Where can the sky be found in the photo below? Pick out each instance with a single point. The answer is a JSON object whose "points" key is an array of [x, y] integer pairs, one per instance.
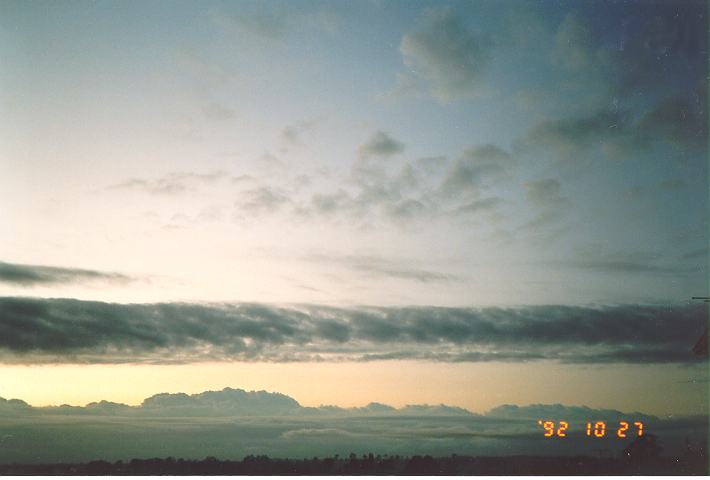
{"points": [[468, 203]]}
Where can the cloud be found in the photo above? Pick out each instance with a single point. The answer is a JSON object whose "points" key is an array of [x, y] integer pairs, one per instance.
{"points": [[622, 263], [274, 23], [385, 268], [680, 120], [402, 193], [658, 45], [569, 137], [30, 275], [645, 73], [625, 266], [445, 55], [633, 52], [579, 413], [380, 145], [477, 167], [73, 331], [693, 254], [328, 204], [233, 423], [291, 134], [170, 184], [215, 111], [669, 185], [545, 197], [262, 200], [544, 193], [573, 48], [480, 206], [229, 402]]}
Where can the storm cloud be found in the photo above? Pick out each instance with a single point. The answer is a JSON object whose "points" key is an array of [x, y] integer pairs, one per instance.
{"points": [[73, 331]]}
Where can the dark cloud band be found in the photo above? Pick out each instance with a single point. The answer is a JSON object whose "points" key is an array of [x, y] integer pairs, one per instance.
{"points": [[27, 275], [73, 331]]}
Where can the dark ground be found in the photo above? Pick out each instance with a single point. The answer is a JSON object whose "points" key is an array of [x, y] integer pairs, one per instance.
{"points": [[379, 465]]}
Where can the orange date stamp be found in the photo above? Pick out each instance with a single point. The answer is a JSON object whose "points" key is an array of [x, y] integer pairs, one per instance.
{"points": [[597, 429]]}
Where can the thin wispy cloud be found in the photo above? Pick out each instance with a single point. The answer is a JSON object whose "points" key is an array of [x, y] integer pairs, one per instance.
{"points": [[374, 266], [274, 23], [170, 184], [217, 112], [627, 263]]}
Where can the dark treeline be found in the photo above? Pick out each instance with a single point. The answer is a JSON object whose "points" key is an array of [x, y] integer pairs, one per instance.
{"points": [[379, 465]]}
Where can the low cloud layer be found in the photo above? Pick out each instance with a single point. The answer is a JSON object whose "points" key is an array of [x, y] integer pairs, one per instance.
{"points": [[233, 423], [73, 331], [31, 275]]}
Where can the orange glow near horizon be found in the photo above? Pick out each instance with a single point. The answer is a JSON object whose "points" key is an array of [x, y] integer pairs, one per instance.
{"points": [[477, 387]]}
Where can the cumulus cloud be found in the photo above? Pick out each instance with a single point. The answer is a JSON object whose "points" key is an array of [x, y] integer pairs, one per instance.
{"points": [[406, 194], [262, 200], [380, 145], [640, 69], [571, 136], [444, 55], [633, 51], [477, 167], [328, 204], [291, 134], [30, 275], [678, 121], [73, 331], [544, 193]]}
